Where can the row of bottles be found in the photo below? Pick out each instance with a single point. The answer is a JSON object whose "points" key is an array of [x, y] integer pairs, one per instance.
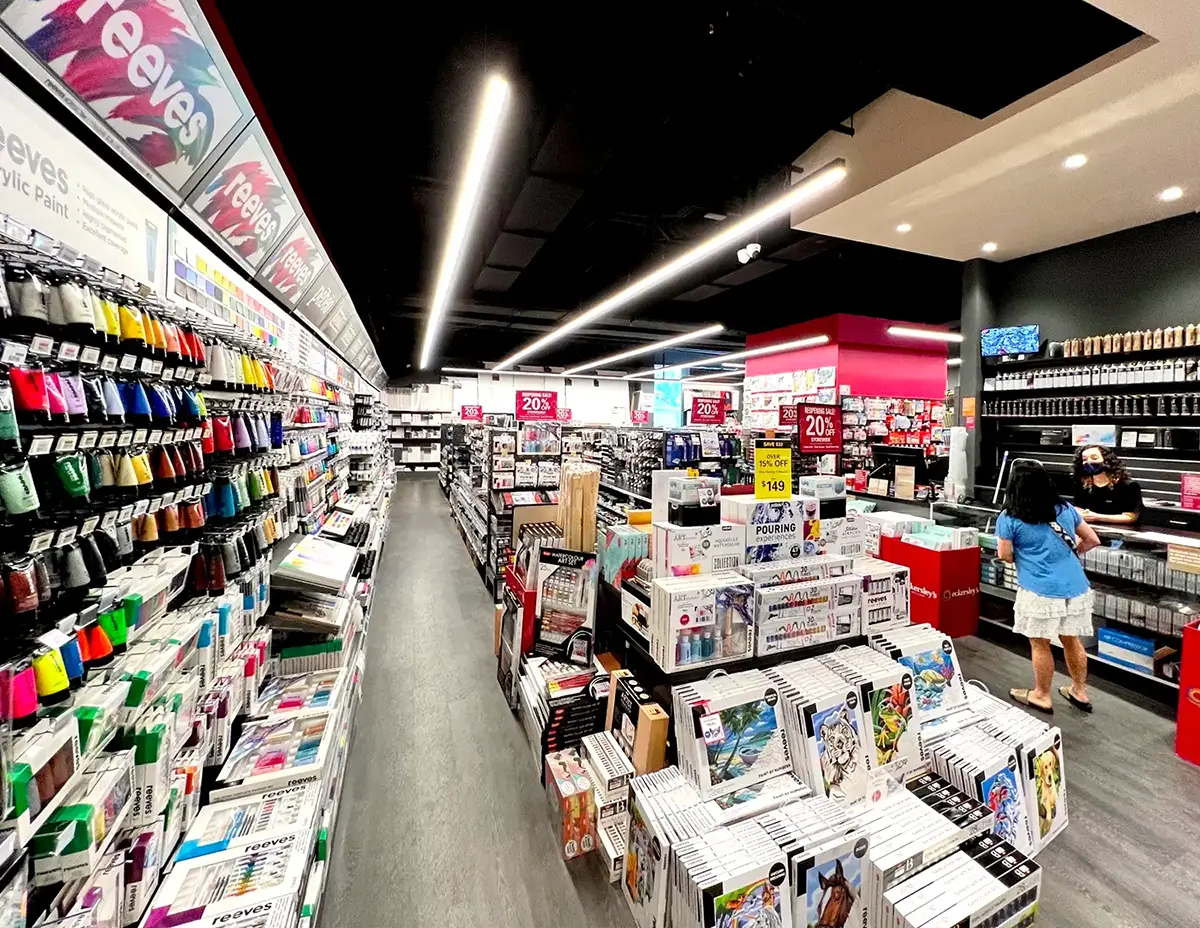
{"points": [[1122, 342], [1170, 370], [1058, 407]]}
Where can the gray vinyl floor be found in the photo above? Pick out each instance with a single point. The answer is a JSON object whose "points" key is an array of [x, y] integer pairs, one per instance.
{"points": [[443, 822]]}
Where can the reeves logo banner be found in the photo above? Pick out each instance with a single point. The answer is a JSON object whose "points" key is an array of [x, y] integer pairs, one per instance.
{"points": [[295, 265], [142, 67]]}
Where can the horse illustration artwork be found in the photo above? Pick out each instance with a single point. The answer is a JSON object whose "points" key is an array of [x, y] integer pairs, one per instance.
{"points": [[837, 899]]}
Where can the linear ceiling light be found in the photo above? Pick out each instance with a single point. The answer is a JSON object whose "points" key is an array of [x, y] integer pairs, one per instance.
{"points": [[953, 362], [930, 335], [646, 349], [470, 193], [736, 356], [703, 378], [561, 376], [736, 234]]}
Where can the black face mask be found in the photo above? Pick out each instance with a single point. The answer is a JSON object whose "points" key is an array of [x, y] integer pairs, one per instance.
{"points": [[1092, 469]]}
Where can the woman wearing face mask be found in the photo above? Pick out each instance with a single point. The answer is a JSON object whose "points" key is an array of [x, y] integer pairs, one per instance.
{"points": [[1103, 490]]}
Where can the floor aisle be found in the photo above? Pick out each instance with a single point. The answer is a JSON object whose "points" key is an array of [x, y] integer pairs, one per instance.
{"points": [[443, 822]]}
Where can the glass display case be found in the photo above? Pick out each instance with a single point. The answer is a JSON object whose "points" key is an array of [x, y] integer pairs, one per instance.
{"points": [[1146, 591]]}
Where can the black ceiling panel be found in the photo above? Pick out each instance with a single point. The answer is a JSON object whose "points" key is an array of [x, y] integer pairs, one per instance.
{"points": [[747, 273], [513, 251], [703, 292]]}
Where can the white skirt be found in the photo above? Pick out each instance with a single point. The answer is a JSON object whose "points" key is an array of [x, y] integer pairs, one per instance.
{"points": [[1037, 616]]}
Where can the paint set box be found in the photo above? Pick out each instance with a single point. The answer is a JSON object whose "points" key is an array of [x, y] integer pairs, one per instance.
{"points": [[886, 596], [565, 607], [729, 732], [273, 754], [797, 570], [236, 823], [774, 529], [571, 796], [929, 654], [684, 550], [302, 695], [796, 615], [701, 620]]}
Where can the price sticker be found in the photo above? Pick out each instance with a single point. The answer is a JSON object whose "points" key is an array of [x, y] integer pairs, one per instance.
{"points": [[55, 638], [156, 437], [108, 439], [168, 373], [89, 355], [204, 378], [189, 375], [156, 367], [17, 230], [66, 536], [125, 513], [68, 351], [108, 520], [207, 489], [140, 507], [67, 254], [125, 439], [147, 365], [109, 363], [14, 353], [168, 499], [194, 434], [91, 266], [140, 436], [88, 439], [41, 444], [155, 505], [41, 542], [68, 441], [128, 362], [44, 243], [89, 525], [711, 728]]}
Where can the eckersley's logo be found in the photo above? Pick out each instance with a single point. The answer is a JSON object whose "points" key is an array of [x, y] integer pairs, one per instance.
{"points": [[921, 591], [959, 594]]}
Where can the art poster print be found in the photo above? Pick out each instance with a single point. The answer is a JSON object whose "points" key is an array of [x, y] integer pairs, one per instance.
{"points": [[143, 68]]}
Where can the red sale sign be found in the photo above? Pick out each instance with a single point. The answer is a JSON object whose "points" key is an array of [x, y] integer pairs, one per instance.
{"points": [[640, 417], [707, 410], [537, 405], [1189, 491], [788, 415], [564, 414], [472, 414], [820, 429]]}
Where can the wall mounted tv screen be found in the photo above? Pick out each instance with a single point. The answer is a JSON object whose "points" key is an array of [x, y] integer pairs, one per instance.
{"points": [[1012, 339]]}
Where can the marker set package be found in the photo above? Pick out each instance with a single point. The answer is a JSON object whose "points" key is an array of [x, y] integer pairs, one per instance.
{"points": [[1042, 763], [987, 883], [304, 694], [796, 615], [276, 753], [697, 621], [730, 876], [929, 654], [235, 823], [729, 732]]}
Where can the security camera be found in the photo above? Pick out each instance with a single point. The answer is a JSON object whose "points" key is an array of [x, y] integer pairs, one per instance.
{"points": [[749, 253]]}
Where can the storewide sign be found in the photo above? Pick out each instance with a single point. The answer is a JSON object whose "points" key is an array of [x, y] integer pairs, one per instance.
{"points": [[536, 405], [640, 417], [472, 414], [708, 410], [820, 429]]}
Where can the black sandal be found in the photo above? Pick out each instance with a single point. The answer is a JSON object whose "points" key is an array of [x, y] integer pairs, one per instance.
{"points": [[1077, 703], [1022, 697]]}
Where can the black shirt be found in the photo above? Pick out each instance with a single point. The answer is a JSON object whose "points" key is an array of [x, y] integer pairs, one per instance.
{"points": [[1110, 500]]}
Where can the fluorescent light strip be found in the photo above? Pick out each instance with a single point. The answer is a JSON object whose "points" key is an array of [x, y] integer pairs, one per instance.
{"points": [[487, 131], [485, 370], [931, 335], [810, 342], [736, 234], [703, 378], [646, 349], [953, 362]]}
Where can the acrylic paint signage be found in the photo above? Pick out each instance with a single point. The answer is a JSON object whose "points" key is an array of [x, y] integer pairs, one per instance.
{"points": [[144, 71], [295, 265], [537, 405], [245, 201], [708, 410], [472, 414], [820, 429], [51, 182]]}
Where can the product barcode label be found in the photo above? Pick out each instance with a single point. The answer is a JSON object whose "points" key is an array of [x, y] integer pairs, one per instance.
{"points": [[68, 351], [108, 439], [88, 439], [108, 363], [128, 362], [41, 345]]}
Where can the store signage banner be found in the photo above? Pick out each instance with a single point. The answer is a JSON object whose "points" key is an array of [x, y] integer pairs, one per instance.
{"points": [[772, 468], [640, 417], [1189, 491], [143, 70], [51, 182], [245, 201], [564, 414], [320, 299], [472, 414], [820, 429], [536, 405], [295, 265], [788, 415], [708, 410]]}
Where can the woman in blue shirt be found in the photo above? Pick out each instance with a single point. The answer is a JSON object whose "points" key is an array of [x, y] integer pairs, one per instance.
{"points": [[1044, 536]]}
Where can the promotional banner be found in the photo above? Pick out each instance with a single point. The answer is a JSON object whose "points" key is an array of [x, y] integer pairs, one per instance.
{"points": [[640, 417], [246, 200], [708, 410], [51, 182], [772, 468], [149, 72], [536, 405], [472, 414], [294, 266], [820, 429], [788, 415], [564, 414], [324, 294]]}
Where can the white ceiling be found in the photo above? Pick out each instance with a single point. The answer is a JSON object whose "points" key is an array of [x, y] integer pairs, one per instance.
{"points": [[961, 182]]}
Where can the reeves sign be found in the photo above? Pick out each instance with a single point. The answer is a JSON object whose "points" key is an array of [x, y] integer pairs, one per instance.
{"points": [[295, 265]]}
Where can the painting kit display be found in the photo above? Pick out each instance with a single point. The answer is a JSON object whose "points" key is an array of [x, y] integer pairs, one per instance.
{"points": [[683, 550], [729, 732], [707, 619], [275, 753], [929, 654], [236, 823], [796, 615]]}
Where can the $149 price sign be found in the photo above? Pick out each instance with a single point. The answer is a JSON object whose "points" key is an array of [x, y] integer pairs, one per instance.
{"points": [[537, 405], [708, 410], [820, 429], [772, 468]]}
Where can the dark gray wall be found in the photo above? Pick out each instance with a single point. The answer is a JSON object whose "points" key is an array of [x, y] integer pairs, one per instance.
{"points": [[1140, 278]]}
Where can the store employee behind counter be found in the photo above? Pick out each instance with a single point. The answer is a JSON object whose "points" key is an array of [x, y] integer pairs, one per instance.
{"points": [[1103, 490]]}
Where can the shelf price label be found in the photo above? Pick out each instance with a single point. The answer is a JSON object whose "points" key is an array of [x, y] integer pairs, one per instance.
{"points": [[537, 406], [708, 410], [772, 468], [472, 414], [819, 429], [640, 417]]}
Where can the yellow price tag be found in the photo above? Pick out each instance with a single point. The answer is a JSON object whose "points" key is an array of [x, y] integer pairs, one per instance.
{"points": [[772, 468]]}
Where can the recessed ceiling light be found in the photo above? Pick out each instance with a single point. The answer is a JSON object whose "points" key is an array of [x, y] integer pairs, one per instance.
{"points": [[1171, 194], [904, 228], [953, 362], [989, 247], [1074, 162], [715, 217]]}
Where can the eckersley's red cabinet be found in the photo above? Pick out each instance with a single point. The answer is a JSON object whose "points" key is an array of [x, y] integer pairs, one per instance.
{"points": [[1187, 721], [945, 584]]}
